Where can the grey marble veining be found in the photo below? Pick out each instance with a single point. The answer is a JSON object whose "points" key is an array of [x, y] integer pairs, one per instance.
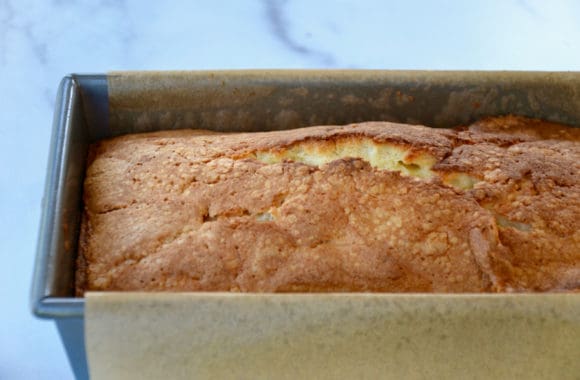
{"points": [[279, 25]]}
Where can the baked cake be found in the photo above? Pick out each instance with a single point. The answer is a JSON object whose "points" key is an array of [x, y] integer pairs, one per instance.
{"points": [[369, 207]]}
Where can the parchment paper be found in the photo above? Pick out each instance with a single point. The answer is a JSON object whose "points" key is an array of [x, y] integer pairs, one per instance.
{"points": [[330, 336], [258, 100]]}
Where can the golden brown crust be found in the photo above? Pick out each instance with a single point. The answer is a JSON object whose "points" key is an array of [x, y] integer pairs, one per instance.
{"points": [[81, 262], [365, 207], [520, 129], [532, 186]]}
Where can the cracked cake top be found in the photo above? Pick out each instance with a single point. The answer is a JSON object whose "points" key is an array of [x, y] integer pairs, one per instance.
{"points": [[372, 206]]}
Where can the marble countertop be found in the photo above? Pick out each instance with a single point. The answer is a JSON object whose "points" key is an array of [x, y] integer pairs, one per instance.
{"points": [[41, 41]]}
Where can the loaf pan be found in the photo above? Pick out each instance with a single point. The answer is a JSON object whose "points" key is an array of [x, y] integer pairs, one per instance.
{"points": [[94, 107]]}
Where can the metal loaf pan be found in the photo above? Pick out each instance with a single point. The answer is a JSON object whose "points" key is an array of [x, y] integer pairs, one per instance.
{"points": [[94, 107]]}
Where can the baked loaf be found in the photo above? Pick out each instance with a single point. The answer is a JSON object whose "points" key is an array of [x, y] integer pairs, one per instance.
{"points": [[374, 206]]}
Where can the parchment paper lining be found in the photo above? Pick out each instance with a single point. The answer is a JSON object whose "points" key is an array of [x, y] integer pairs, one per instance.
{"points": [[328, 336], [256, 100]]}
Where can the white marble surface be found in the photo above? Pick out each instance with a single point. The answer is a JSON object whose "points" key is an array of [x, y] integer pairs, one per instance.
{"points": [[40, 41]]}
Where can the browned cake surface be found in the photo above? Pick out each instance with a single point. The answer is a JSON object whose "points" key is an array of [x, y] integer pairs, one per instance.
{"points": [[372, 206]]}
